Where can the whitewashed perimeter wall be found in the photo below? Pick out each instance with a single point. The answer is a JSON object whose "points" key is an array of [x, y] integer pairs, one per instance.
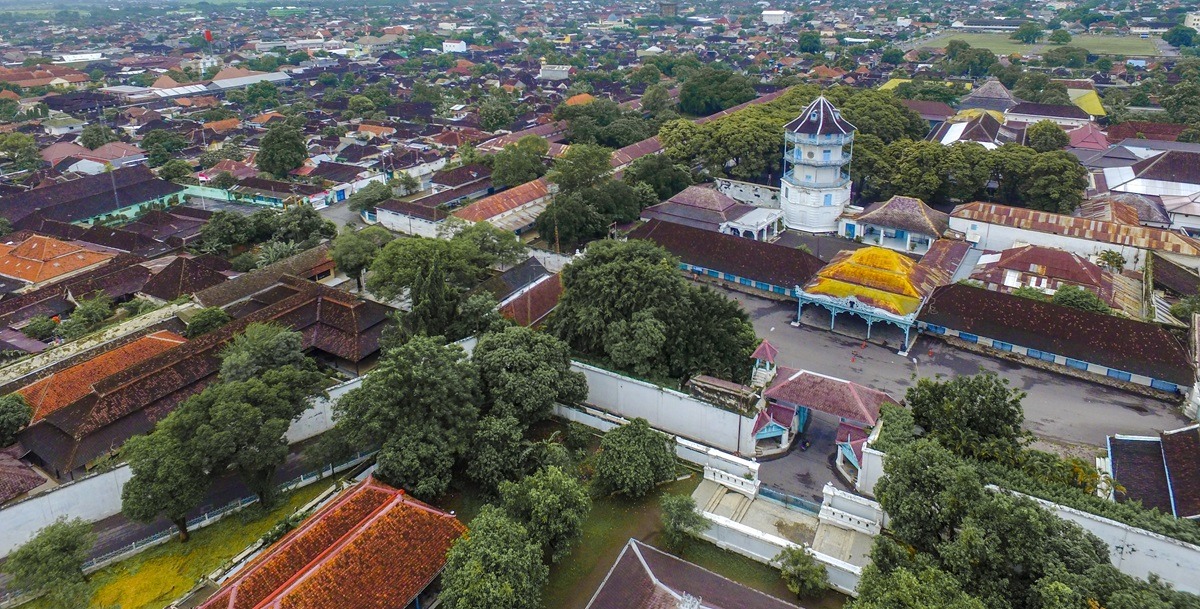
{"points": [[670, 411], [1138, 552], [749, 193], [93, 498]]}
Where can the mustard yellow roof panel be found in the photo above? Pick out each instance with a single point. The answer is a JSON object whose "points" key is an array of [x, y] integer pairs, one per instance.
{"points": [[892, 303], [1088, 101]]}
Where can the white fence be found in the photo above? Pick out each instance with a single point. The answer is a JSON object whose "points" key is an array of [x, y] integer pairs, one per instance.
{"points": [[764, 547], [745, 486], [667, 410], [704, 456], [850, 511], [1137, 552]]}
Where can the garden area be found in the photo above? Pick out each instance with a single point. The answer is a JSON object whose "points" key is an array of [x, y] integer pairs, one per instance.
{"points": [[156, 577]]}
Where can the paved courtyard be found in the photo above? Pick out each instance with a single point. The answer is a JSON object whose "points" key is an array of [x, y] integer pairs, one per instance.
{"points": [[1059, 409]]}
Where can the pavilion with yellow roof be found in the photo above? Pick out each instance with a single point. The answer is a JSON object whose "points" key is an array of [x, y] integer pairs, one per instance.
{"points": [[874, 283]]}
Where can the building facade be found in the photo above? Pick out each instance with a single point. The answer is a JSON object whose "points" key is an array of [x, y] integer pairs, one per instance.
{"points": [[815, 188]]}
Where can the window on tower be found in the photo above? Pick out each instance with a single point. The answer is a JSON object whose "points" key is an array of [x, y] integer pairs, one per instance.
{"points": [[828, 200]]}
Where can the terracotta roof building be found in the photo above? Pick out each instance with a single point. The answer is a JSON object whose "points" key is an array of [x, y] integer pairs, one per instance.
{"points": [[1043, 268], [344, 329], [1107, 345], [724, 258], [646, 578], [374, 547], [533, 305], [1161, 472], [904, 224], [514, 209], [39, 260]]}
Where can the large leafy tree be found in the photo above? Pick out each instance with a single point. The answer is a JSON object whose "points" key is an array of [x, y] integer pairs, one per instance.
{"points": [[568, 221], [282, 149], [497, 452], [904, 588], [661, 173], [354, 251], [879, 113], [1045, 135], [169, 478], [304, 225], [627, 302], [804, 576], [22, 150], [95, 136], [681, 520], [420, 405], [15, 413], [1055, 182], [927, 492], [52, 564], [1080, 298], [261, 347], [519, 162], [553, 506], [523, 373], [498, 566], [714, 89], [369, 196], [633, 459], [582, 166], [1028, 33], [977, 416]]}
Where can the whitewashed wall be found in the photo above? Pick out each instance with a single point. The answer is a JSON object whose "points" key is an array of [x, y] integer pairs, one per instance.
{"points": [[670, 411], [749, 193]]}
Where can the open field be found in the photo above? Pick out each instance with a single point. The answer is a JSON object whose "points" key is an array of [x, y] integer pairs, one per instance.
{"points": [[1003, 45]]}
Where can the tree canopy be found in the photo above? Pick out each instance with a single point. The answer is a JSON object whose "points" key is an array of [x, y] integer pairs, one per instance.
{"points": [[15, 413], [1045, 135], [626, 302], [52, 563], [552, 505], [633, 459], [713, 89], [519, 162], [282, 149], [499, 566]]}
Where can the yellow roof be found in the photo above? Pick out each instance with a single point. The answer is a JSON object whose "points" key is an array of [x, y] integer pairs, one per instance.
{"points": [[1088, 101], [969, 114], [876, 276]]}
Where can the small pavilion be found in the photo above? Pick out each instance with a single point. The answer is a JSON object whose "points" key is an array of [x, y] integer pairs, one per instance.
{"points": [[875, 284]]}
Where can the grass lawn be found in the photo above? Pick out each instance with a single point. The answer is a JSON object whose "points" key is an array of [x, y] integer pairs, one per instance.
{"points": [[1002, 44], [163, 573], [613, 521]]}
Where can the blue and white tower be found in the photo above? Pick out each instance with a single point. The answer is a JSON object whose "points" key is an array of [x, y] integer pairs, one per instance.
{"points": [[815, 188]]}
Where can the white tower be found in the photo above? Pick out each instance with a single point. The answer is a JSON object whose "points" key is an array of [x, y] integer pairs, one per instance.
{"points": [[815, 188]]}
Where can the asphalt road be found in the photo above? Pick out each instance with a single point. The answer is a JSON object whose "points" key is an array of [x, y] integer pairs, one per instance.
{"points": [[1058, 408]]}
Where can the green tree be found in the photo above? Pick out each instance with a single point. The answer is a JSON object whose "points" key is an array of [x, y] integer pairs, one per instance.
{"points": [[206, 320], [398, 265], [1055, 182], [1180, 36], [89, 314], [496, 113], [224, 231], [96, 135], [482, 244], [1060, 37], [161, 145], [169, 479], [681, 520], [656, 100], [568, 221], [52, 563], [369, 196], [1037, 87], [552, 506], [810, 42], [354, 251], [633, 459], [175, 170], [648, 75], [262, 347], [1029, 32], [420, 401], [1079, 298], [302, 224], [15, 414], [903, 588], [661, 173], [434, 302], [524, 373], [976, 416], [893, 56], [972, 62], [1111, 260], [360, 106], [498, 566], [282, 149], [804, 576], [1045, 135], [583, 166], [712, 89], [41, 328], [520, 162], [626, 301], [22, 150], [223, 180], [927, 492], [911, 163], [497, 452]]}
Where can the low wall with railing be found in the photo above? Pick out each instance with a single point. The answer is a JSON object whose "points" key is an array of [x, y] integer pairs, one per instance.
{"points": [[745, 486], [851, 511], [764, 547]]}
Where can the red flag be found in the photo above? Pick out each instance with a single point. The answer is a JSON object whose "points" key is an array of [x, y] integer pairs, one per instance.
{"points": [[208, 35]]}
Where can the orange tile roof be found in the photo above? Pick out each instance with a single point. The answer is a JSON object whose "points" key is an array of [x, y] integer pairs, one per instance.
{"points": [[40, 258], [66, 386], [372, 548], [580, 99], [506, 201], [223, 125]]}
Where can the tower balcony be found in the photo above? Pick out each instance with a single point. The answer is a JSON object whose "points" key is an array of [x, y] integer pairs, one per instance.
{"points": [[824, 139], [796, 158], [791, 178]]}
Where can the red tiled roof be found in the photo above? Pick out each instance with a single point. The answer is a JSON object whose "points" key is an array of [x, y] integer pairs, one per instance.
{"points": [[502, 202], [830, 395], [372, 548], [532, 306], [39, 259], [66, 386]]}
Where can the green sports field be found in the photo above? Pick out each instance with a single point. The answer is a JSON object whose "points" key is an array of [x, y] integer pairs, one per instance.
{"points": [[1001, 44]]}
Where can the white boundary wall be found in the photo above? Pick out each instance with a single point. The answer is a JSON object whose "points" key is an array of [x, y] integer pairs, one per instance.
{"points": [[93, 498], [670, 411], [1136, 552]]}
